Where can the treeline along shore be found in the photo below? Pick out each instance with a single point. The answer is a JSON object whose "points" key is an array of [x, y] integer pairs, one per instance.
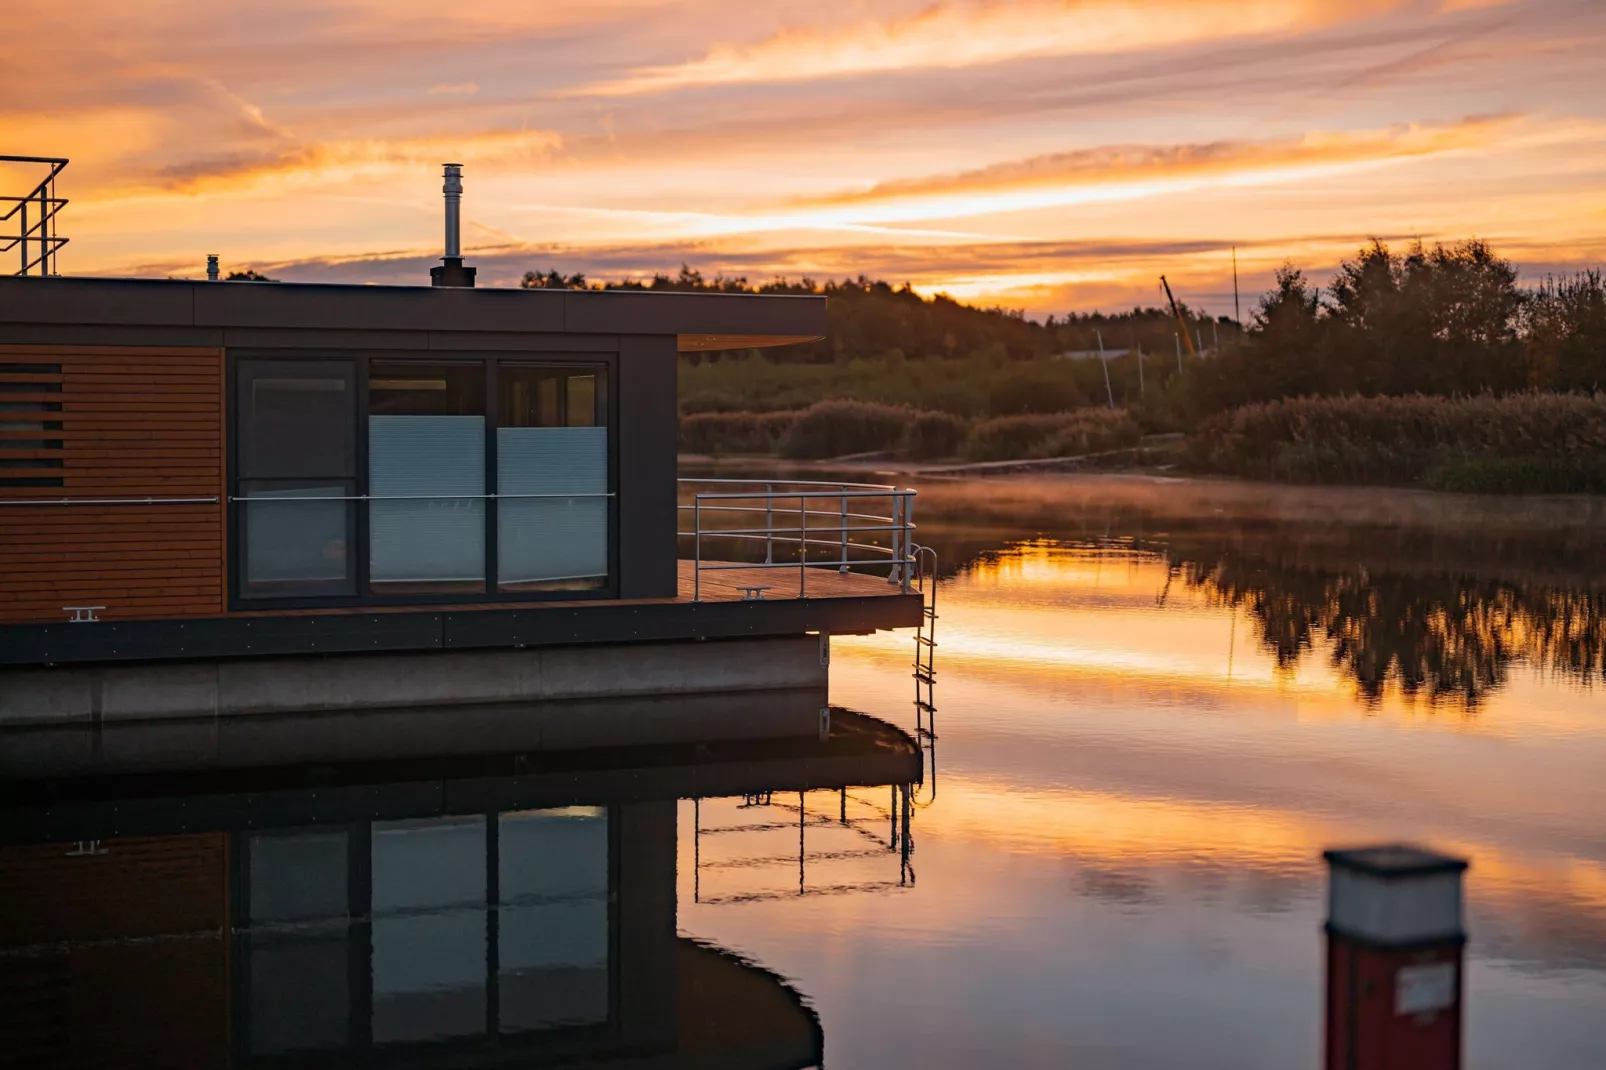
{"points": [[1427, 367]]}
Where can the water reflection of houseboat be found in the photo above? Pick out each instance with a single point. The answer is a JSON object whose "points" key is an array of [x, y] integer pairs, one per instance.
{"points": [[485, 907]]}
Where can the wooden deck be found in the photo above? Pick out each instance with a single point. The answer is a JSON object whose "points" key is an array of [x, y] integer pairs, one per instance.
{"points": [[722, 584]]}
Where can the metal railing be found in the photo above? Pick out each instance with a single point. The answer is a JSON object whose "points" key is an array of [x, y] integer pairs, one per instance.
{"points": [[30, 221], [801, 525]]}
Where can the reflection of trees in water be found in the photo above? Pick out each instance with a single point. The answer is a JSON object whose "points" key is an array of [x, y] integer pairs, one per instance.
{"points": [[1444, 638]]}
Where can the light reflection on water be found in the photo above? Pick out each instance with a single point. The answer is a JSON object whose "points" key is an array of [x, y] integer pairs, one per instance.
{"points": [[1142, 753]]}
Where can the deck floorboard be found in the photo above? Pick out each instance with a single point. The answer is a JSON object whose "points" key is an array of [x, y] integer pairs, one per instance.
{"points": [[718, 585]]}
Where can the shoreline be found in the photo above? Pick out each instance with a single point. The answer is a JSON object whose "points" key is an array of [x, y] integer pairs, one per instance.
{"points": [[1006, 491]]}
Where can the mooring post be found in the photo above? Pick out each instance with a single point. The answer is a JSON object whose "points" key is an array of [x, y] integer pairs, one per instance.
{"points": [[1395, 948]]}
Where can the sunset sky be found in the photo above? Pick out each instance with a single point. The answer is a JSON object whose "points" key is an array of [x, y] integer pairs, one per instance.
{"points": [[1045, 155]]}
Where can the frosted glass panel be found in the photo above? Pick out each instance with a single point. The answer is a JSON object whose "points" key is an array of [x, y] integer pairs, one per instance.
{"points": [[438, 540], [545, 540], [291, 542]]}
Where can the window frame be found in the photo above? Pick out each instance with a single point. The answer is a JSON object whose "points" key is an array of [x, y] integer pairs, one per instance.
{"points": [[605, 363]]}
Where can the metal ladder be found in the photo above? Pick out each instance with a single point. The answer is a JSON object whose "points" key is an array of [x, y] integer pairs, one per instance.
{"points": [[925, 667]]}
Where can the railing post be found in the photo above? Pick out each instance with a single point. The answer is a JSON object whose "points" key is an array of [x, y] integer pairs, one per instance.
{"points": [[24, 236], [896, 574], [844, 566], [697, 548], [769, 523], [802, 544], [908, 538]]}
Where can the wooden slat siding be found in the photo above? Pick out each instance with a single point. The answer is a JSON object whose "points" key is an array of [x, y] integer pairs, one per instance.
{"points": [[135, 422]]}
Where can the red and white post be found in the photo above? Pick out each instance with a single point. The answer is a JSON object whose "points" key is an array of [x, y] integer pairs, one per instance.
{"points": [[1395, 938]]}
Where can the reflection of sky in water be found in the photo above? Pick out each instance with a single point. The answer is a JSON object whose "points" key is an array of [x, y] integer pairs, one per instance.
{"points": [[1122, 863]]}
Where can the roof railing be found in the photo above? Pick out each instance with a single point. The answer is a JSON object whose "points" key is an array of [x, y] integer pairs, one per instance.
{"points": [[28, 222]]}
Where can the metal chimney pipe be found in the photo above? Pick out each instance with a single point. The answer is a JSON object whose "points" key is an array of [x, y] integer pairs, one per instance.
{"points": [[454, 200], [451, 271], [211, 267]]}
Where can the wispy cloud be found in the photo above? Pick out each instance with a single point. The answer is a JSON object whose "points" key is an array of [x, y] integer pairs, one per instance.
{"points": [[955, 35], [327, 161], [1125, 172], [454, 89]]}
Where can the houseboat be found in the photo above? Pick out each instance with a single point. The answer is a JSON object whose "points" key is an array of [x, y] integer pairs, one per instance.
{"points": [[230, 497]]}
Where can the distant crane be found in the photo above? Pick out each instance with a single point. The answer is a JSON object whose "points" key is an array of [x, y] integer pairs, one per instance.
{"points": [[1182, 324]]}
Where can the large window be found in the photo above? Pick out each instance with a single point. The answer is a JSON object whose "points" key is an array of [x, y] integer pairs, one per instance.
{"points": [[393, 479], [297, 467]]}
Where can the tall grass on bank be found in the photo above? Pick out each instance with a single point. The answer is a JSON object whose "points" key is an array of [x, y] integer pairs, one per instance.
{"points": [[1062, 434], [968, 386], [734, 432], [1519, 443], [842, 427]]}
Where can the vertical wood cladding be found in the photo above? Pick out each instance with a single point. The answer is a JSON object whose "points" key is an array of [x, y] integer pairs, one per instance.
{"points": [[111, 422]]}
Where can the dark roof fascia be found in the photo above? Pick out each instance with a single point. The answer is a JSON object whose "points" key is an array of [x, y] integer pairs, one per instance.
{"points": [[71, 301]]}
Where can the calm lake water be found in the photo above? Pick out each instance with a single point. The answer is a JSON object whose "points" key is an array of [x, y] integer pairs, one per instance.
{"points": [[1148, 728], [1153, 712]]}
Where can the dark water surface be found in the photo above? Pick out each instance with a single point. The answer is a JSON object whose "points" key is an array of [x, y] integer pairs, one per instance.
{"points": [[1150, 721]]}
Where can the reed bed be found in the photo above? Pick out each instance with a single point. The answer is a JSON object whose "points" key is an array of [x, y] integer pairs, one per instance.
{"points": [[1518, 443]]}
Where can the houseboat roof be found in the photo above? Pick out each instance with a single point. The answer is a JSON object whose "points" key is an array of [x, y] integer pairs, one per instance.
{"points": [[186, 312]]}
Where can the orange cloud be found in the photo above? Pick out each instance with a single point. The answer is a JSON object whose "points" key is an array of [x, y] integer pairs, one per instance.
{"points": [[340, 160], [951, 35]]}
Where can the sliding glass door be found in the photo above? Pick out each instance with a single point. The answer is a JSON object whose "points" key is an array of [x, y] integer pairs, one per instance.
{"points": [[389, 479]]}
